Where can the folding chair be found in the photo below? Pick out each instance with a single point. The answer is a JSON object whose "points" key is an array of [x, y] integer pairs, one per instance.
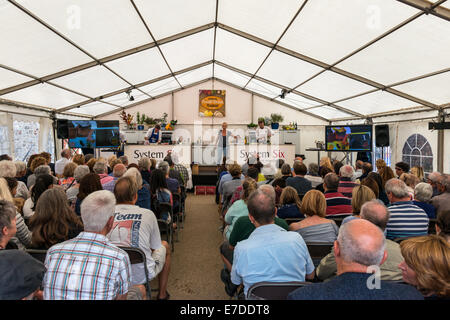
{"points": [[292, 220], [159, 208], [37, 254], [177, 215], [136, 256], [273, 290], [432, 226], [183, 205], [318, 250]]}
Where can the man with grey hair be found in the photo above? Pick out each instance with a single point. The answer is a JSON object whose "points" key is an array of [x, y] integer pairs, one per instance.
{"points": [[66, 154], [337, 204], [313, 175], [434, 179], [293, 262], [89, 266], [442, 201], [78, 174], [346, 184], [358, 169], [124, 160], [118, 171], [407, 219], [7, 224], [359, 250], [377, 213], [101, 168], [422, 196], [43, 169]]}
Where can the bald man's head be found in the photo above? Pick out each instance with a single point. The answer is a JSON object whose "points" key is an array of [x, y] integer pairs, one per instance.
{"points": [[376, 212], [361, 242], [119, 170], [126, 190], [261, 207]]}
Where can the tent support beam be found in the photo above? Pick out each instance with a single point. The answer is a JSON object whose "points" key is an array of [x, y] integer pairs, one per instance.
{"points": [[429, 8], [441, 144]]}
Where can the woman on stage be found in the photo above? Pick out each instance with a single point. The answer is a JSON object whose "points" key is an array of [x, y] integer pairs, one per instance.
{"points": [[223, 143]]}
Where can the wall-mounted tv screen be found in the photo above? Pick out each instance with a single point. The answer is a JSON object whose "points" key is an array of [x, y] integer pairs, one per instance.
{"points": [[93, 134], [349, 138]]}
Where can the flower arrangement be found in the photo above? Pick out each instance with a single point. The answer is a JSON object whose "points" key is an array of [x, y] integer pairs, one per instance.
{"points": [[126, 117]]}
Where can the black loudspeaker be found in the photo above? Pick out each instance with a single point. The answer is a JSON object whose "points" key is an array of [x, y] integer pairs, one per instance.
{"points": [[62, 129], [382, 135]]}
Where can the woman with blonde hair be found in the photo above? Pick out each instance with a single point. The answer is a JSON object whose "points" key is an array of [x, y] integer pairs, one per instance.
{"points": [[239, 208], [326, 162], [315, 227], [360, 195], [418, 172], [290, 204], [427, 265], [78, 159], [410, 180], [68, 179], [380, 163], [386, 174], [53, 221], [23, 235]]}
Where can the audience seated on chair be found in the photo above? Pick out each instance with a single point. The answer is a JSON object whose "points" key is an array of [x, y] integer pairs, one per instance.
{"points": [[138, 227], [254, 260], [313, 175], [360, 195], [101, 168], [118, 171], [88, 184], [72, 192], [104, 268], [144, 197], [426, 265], [43, 182], [443, 225], [8, 227], [346, 184], [407, 219], [298, 181], [15, 170], [290, 204], [381, 192], [337, 204], [375, 212], [315, 227], [359, 250], [401, 168], [434, 179], [422, 196], [442, 201]]}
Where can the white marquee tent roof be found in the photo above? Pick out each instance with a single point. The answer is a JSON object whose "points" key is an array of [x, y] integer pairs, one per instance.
{"points": [[335, 59]]}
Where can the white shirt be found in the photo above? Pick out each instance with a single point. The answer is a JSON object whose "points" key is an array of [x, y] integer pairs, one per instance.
{"points": [[27, 211], [262, 134], [60, 164]]}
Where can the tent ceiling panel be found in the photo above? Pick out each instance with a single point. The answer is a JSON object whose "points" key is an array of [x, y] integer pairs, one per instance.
{"points": [[195, 75], [10, 78], [328, 112], [330, 29], [298, 101], [435, 88], [45, 95], [420, 47], [195, 49], [141, 66], [122, 100], [101, 27], [376, 102], [253, 15], [31, 47], [239, 52], [287, 70], [160, 87], [94, 108], [231, 76], [168, 17], [92, 82], [263, 88], [331, 86]]}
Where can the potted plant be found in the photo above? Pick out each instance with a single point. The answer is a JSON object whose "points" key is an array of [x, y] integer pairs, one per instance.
{"points": [[252, 125], [276, 118], [140, 119], [150, 121], [164, 120]]}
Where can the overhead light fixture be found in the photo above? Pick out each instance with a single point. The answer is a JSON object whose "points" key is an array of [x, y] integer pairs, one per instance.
{"points": [[130, 97], [283, 93]]}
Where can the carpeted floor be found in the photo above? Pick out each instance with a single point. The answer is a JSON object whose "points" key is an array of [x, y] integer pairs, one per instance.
{"points": [[196, 262]]}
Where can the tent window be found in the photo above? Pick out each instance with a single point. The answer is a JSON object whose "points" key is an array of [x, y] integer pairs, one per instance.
{"points": [[384, 153], [417, 152], [26, 139], [50, 147], [4, 142]]}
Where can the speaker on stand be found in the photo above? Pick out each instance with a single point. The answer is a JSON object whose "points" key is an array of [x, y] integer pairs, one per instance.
{"points": [[382, 137]]}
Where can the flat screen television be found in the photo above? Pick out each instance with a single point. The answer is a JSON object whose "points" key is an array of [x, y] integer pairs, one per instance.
{"points": [[93, 134], [348, 138]]}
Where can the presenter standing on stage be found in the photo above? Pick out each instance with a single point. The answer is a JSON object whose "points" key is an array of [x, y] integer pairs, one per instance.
{"points": [[223, 143], [154, 134], [262, 133]]}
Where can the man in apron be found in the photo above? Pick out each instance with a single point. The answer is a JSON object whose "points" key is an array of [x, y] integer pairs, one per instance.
{"points": [[154, 135]]}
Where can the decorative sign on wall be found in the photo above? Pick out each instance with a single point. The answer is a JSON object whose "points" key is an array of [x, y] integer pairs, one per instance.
{"points": [[211, 103]]}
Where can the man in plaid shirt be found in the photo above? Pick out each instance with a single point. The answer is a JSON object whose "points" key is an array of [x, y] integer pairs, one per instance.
{"points": [[89, 267]]}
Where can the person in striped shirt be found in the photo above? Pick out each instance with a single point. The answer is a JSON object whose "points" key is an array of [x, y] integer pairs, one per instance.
{"points": [[407, 219], [346, 184], [337, 204], [89, 267]]}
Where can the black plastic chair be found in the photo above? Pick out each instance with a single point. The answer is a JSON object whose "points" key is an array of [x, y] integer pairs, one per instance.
{"points": [[37, 254], [177, 215], [136, 256], [318, 250], [165, 226], [273, 290]]}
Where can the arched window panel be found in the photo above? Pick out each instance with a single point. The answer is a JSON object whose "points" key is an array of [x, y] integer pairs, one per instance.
{"points": [[101, 27], [169, 17], [417, 151], [252, 14], [322, 29]]}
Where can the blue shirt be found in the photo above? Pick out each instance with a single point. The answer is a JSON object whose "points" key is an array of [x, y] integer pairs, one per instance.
{"points": [[429, 209], [270, 254], [406, 220], [226, 177]]}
